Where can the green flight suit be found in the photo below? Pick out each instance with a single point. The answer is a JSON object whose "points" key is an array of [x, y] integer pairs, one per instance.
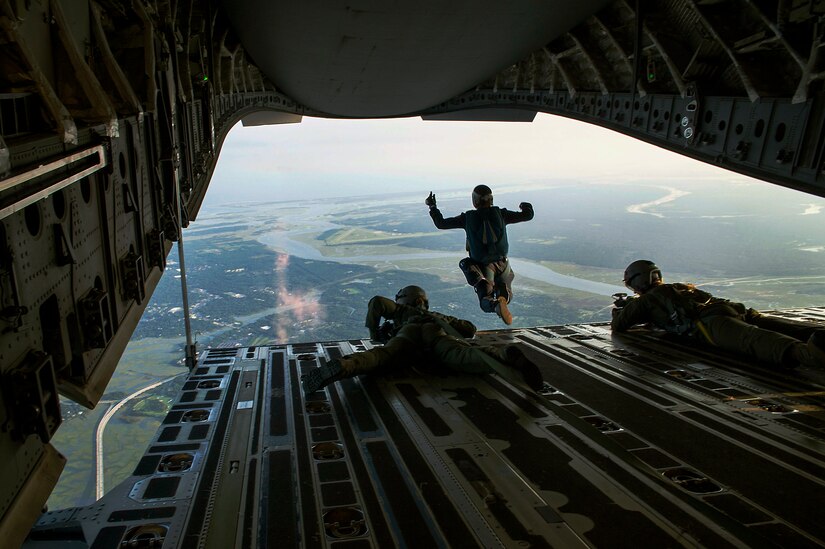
{"points": [[419, 339], [685, 310]]}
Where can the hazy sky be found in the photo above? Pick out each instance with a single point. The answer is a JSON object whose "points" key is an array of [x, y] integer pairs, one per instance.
{"points": [[326, 158]]}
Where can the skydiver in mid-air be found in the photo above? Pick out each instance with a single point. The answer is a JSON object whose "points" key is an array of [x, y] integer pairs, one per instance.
{"points": [[687, 311], [415, 336], [487, 269]]}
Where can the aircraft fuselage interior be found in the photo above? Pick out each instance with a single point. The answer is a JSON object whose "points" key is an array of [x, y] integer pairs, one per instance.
{"points": [[112, 118]]}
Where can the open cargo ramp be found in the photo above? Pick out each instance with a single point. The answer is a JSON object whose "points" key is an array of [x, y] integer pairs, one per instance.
{"points": [[635, 441]]}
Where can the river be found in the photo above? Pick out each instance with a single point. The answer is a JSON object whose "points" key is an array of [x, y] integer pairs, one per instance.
{"points": [[282, 241]]}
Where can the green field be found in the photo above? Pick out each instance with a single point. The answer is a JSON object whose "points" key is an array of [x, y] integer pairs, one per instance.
{"points": [[351, 236], [128, 433]]}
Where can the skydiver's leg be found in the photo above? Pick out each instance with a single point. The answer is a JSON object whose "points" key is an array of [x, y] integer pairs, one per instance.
{"points": [[458, 355], [504, 280], [486, 289], [452, 352], [811, 348], [733, 334], [793, 328], [472, 271], [393, 354], [477, 278], [513, 357]]}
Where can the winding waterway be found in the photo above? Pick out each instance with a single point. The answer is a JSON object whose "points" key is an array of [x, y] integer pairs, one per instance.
{"points": [[282, 241]]}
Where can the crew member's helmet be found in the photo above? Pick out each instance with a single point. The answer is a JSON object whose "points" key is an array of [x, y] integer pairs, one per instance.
{"points": [[641, 275], [414, 296], [482, 196]]}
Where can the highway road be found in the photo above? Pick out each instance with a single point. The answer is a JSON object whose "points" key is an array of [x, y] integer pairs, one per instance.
{"points": [[113, 409]]}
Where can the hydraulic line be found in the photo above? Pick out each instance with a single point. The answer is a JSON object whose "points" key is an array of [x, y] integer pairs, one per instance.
{"points": [[190, 347]]}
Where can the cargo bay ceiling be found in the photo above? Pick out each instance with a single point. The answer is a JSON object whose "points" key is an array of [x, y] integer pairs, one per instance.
{"points": [[112, 116]]}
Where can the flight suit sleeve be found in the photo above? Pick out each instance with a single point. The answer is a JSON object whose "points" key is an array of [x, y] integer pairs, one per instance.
{"points": [[441, 222], [379, 307], [634, 312], [465, 328], [702, 296], [526, 214]]}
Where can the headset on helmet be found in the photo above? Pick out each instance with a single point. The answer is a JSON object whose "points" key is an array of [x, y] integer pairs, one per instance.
{"points": [[641, 275], [482, 196], [414, 296]]}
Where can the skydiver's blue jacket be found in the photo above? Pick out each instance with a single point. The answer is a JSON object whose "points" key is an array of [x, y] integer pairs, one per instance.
{"points": [[485, 229]]}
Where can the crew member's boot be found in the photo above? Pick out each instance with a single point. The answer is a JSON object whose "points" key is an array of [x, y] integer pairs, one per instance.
{"points": [[812, 353], [338, 369], [318, 378], [816, 348], [516, 359]]}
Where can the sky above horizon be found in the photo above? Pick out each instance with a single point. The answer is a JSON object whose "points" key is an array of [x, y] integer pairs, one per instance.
{"points": [[324, 158]]}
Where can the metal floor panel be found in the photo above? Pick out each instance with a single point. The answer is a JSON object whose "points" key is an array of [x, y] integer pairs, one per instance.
{"points": [[636, 440]]}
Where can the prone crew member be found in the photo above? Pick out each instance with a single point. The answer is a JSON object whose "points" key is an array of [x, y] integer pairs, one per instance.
{"points": [[415, 336], [688, 311]]}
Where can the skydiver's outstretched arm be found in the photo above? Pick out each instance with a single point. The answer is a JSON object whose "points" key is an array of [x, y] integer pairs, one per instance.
{"points": [[526, 214], [440, 221]]}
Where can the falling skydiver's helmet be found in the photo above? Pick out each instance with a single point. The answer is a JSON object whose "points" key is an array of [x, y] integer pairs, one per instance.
{"points": [[414, 296], [482, 196], [641, 275]]}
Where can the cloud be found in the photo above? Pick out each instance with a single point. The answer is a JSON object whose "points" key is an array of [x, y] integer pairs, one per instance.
{"points": [[327, 157]]}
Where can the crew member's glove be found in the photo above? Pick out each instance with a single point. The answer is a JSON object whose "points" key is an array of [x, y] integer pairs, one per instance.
{"points": [[384, 332], [430, 200], [524, 205], [620, 300]]}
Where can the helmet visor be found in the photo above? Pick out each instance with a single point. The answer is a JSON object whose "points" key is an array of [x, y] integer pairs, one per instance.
{"points": [[639, 282]]}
